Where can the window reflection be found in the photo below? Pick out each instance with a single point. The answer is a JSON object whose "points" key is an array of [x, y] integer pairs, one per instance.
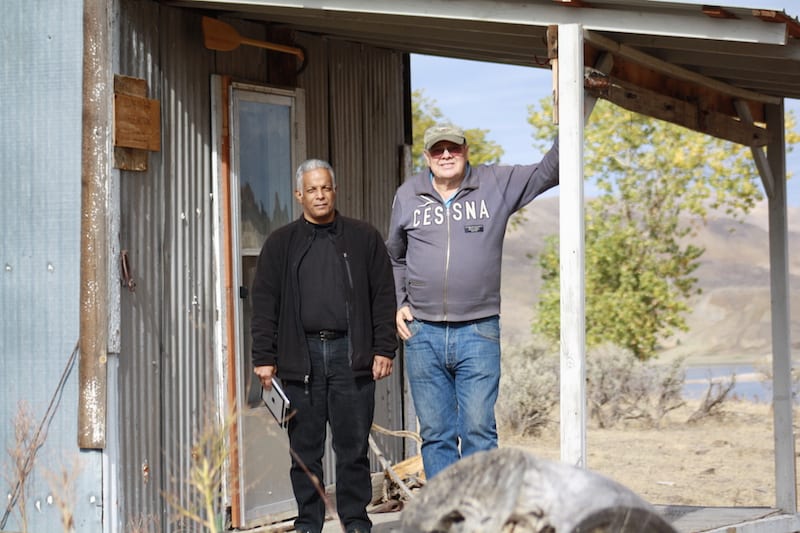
{"points": [[265, 170]]}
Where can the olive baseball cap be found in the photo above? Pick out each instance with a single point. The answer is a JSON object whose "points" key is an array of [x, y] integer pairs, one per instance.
{"points": [[443, 132]]}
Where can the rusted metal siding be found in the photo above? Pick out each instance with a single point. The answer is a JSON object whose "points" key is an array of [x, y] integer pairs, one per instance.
{"points": [[383, 133], [382, 164], [355, 120], [40, 206], [366, 129], [139, 397], [314, 79], [188, 369], [374, 113], [142, 207], [164, 390], [347, 82], [354, 103], [168, 374]]}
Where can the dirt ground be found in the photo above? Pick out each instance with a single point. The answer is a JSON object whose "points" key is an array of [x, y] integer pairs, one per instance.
{"points": [[726, 460]]}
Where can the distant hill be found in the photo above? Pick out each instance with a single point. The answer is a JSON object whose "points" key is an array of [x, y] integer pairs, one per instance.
{"points": [[730, 321]]}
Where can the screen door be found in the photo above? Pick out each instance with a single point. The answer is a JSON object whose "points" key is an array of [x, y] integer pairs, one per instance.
{"points": [[265, 147]]}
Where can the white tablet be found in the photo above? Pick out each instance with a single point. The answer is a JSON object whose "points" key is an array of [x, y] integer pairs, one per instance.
{"points": [[277, 402]]}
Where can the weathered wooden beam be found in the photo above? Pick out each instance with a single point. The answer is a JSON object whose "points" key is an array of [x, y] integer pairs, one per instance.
{"points": [[510, 489], [552, 56], [759, 154], [675, 71], [686, 114], [708, 99], [596, 78], [722, 48], [658, 82], [95, 170]]}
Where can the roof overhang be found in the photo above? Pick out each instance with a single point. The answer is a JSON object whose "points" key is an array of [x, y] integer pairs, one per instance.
{"points": [[691, 64], [651, 18]]}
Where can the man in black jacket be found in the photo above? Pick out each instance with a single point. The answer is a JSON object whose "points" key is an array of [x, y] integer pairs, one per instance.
{"points": [[323, 321]]}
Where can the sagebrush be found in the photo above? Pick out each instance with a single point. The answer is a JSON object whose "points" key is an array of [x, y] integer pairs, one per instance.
{"points": [[619, 387]]}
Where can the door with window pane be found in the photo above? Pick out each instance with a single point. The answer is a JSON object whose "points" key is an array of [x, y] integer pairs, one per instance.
{"points": [[265, 148]]}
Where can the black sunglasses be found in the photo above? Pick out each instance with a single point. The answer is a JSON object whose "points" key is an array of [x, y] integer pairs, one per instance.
{"points": [[453, 149]]}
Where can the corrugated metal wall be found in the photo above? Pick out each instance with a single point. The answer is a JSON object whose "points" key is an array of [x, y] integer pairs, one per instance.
{"points": [[41, 46], [141, 311], [167, 372], [167, 367], [354, 107], [383, 170], [188, 366]]}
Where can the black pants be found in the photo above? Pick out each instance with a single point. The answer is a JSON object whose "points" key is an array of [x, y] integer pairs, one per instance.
{"points": [[333, 396]]}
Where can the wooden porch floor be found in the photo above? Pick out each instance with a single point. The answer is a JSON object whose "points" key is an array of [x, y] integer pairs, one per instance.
{"points": [[693, 519], [684, 518]]}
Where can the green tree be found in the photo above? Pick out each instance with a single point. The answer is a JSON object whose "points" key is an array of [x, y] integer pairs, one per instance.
{"points": [[425, 113], [658, 182]]}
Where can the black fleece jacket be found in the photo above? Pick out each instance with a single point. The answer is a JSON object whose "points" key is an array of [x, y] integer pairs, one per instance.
{"points": [[278, 335]]}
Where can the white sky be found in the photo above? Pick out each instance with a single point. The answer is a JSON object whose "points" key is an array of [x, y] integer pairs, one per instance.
{"points": [[496, 97]]}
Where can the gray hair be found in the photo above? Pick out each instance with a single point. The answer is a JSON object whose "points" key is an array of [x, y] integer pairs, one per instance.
{"points": [[312, 164]]}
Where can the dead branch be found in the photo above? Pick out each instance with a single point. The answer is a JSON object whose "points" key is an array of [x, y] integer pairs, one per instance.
{"points": [[716, 393], [387, 467]]}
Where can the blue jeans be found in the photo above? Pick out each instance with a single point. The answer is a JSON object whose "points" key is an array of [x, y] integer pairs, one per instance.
{"points": [[453, 370], [347, 403]]}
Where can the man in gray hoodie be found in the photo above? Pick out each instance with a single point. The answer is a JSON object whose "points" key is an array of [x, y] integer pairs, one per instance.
{"points": [[446, 243]]}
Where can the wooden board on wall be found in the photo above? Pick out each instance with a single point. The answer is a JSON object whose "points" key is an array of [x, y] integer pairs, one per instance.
{"points": [[137, 124]]}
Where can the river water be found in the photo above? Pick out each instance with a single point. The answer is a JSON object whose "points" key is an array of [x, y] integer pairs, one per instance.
{"points": [[751, 383]]}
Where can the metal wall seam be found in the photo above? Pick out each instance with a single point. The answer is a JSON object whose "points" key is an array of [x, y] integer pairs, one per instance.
{"points": [[141, 234]]}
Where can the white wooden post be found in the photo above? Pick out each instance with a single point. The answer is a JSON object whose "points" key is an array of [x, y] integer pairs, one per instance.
{"points": [[785, 471], [571, 232]]}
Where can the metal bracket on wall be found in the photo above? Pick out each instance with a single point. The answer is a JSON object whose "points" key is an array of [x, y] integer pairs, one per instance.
{"points": [[125, 270]]}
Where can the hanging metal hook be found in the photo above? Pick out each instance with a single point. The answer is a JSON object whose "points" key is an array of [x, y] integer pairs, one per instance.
{"points": [[127, 279]]}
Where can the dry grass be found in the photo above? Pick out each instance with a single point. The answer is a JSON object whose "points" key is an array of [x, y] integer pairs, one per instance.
{"points": [[723, 460]]}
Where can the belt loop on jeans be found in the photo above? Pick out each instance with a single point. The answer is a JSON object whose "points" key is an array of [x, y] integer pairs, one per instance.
{"points": [[327, 334]]}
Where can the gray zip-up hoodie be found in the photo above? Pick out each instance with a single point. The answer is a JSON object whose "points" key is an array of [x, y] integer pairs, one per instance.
{"points": [[446, 256]]}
